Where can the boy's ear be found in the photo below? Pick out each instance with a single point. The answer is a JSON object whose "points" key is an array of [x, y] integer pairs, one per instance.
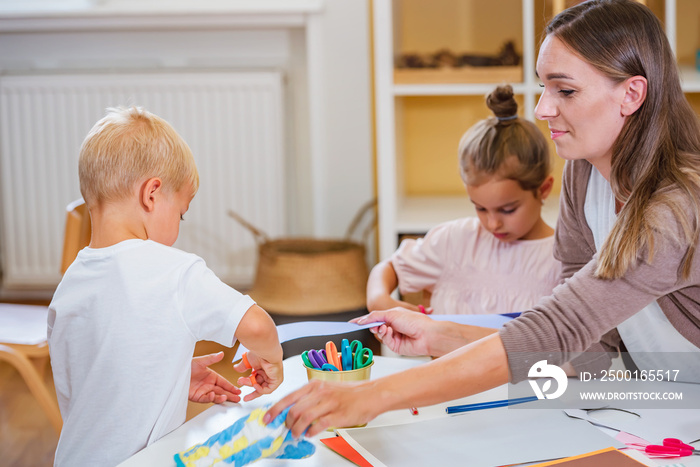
{"points": [[546, 188], [149, 190], [635, 94]]}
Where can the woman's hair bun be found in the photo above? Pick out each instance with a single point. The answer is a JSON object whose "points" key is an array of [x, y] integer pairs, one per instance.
{"points": [[502, 102]]}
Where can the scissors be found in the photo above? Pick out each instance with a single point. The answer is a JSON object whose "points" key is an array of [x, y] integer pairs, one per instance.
{"points": [[332, 355], [672, 447], [355, 356], [314, 358]]}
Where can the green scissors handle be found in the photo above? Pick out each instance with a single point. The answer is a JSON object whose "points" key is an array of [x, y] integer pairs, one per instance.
{"points": [[362, 355]]}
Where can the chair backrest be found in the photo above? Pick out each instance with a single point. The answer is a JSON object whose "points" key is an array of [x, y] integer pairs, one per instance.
{"points": [[78, 232]]}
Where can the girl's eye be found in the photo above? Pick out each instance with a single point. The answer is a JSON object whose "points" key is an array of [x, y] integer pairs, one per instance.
{"points": [[182, 218], [508, 211]]}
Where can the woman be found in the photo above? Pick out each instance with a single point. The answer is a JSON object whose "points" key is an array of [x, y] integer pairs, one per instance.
{"points": [[627, 232]]}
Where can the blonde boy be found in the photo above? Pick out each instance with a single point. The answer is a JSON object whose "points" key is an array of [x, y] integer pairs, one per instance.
{"points": [[124, 320]]}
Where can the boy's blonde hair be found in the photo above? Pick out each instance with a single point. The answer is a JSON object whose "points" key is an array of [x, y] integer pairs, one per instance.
{"points": [[504, 146], [128, 146]]}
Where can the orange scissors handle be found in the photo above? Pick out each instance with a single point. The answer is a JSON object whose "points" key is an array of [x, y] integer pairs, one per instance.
{"points": [[332, 355], [247, 364]]}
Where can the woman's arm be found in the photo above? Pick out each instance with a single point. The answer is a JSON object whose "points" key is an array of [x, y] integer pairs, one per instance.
{"points": [[469, 370]]}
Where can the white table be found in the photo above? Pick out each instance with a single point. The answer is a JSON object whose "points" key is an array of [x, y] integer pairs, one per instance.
{"points": [[219, 417]]}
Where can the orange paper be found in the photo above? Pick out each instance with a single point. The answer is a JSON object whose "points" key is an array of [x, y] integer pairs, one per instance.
{"points": [[340, 446]]}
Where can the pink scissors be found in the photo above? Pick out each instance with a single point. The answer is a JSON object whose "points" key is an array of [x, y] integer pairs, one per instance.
{"points": [[672, 447]]}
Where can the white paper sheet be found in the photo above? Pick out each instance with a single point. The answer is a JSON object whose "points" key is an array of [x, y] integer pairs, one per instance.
{"points": [[23, 324], [291, 331], [483, 438]]}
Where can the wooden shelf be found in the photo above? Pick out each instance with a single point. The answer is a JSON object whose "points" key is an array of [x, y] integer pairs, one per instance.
{"points": [[462, 75]]}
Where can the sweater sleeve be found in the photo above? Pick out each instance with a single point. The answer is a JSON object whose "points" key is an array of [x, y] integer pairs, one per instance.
{"points": [[584, 308]]}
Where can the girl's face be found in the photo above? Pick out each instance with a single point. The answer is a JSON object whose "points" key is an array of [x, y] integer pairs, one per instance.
{"points": [[581, 105], [509, 212]]}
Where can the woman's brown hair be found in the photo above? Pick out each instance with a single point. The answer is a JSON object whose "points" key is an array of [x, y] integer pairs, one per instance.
{"points": [[657, 151]]}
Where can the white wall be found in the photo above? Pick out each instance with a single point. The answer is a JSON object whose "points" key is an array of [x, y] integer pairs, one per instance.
{"points": [[326, 62]]}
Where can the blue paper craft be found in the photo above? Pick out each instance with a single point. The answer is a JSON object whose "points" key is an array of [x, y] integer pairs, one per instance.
{"points": [[246, 441]]}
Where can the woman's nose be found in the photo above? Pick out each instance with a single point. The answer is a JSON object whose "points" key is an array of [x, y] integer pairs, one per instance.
{"points": [[544, 108]]}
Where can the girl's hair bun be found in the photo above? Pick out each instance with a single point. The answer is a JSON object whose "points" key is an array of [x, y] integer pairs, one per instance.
{"points": [[502, 103]]}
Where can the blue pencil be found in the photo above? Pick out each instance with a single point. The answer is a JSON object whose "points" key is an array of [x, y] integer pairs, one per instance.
{"points": [[488, 405]]}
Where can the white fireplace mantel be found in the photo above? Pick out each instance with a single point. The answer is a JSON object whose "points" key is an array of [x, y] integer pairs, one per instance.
{"points": [[77, 15]]}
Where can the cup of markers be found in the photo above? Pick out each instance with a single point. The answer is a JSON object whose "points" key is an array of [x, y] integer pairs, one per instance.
{"points": [[351, 362]]}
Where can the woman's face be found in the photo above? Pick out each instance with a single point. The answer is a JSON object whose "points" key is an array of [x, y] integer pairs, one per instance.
{"points": [[581, 105]]}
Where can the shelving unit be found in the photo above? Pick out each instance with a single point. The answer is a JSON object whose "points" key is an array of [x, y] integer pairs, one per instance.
{"points": [[404, 212]]}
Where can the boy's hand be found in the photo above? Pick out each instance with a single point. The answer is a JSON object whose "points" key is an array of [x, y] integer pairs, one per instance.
{"points": [[206, 385], [268, 376]]}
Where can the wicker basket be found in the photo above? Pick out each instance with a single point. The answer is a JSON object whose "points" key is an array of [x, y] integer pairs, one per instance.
{"points": [[307, 276]]}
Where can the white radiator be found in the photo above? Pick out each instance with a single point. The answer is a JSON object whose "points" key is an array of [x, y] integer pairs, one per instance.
{"points": [[231, 120]]}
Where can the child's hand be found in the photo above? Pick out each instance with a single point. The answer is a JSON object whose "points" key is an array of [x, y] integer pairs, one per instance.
{"points": [[206, 385], [268, 376]]}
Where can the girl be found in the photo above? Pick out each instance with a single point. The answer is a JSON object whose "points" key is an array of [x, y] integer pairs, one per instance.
{"points": [[501, 261], [616, 111]]}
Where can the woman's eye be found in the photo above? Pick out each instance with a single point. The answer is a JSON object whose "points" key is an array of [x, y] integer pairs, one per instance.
{"points": [[508, 211], [182, 218], [567, 92]]}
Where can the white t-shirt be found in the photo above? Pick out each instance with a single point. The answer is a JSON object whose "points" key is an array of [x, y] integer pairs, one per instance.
{"points": [[469, 271], [122, 328]]}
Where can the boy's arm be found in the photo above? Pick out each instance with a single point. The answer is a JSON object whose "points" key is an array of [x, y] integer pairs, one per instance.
{"points": [[257, 332], [381, 283]]}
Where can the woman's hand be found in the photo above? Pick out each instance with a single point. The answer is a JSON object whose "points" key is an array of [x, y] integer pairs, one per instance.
{"points": [[321, 404], [404, 332], [206, 385], [268, 376]]}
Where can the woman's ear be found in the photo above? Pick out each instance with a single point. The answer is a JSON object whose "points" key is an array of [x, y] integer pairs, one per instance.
{"points": [[546, 188], [149, 190], [635, 94]]}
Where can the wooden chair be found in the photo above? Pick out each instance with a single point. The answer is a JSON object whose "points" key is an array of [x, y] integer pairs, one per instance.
{"points": [[29, 353], [77, 233]]}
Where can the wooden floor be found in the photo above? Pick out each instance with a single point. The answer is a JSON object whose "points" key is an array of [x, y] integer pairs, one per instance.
{"points": [[26, 436]]}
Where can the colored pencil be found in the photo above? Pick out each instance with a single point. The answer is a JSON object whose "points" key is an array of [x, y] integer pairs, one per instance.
{"points": [[488, 405]]}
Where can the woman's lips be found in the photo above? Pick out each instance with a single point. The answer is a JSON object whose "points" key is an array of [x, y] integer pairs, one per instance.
{"points": [[556, 133]]}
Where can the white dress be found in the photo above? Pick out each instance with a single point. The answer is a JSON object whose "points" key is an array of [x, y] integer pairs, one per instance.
{"points": [[469, 271]]}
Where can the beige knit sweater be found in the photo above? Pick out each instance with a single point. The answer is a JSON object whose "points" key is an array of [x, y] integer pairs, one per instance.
{"points": [[582, 313]]}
